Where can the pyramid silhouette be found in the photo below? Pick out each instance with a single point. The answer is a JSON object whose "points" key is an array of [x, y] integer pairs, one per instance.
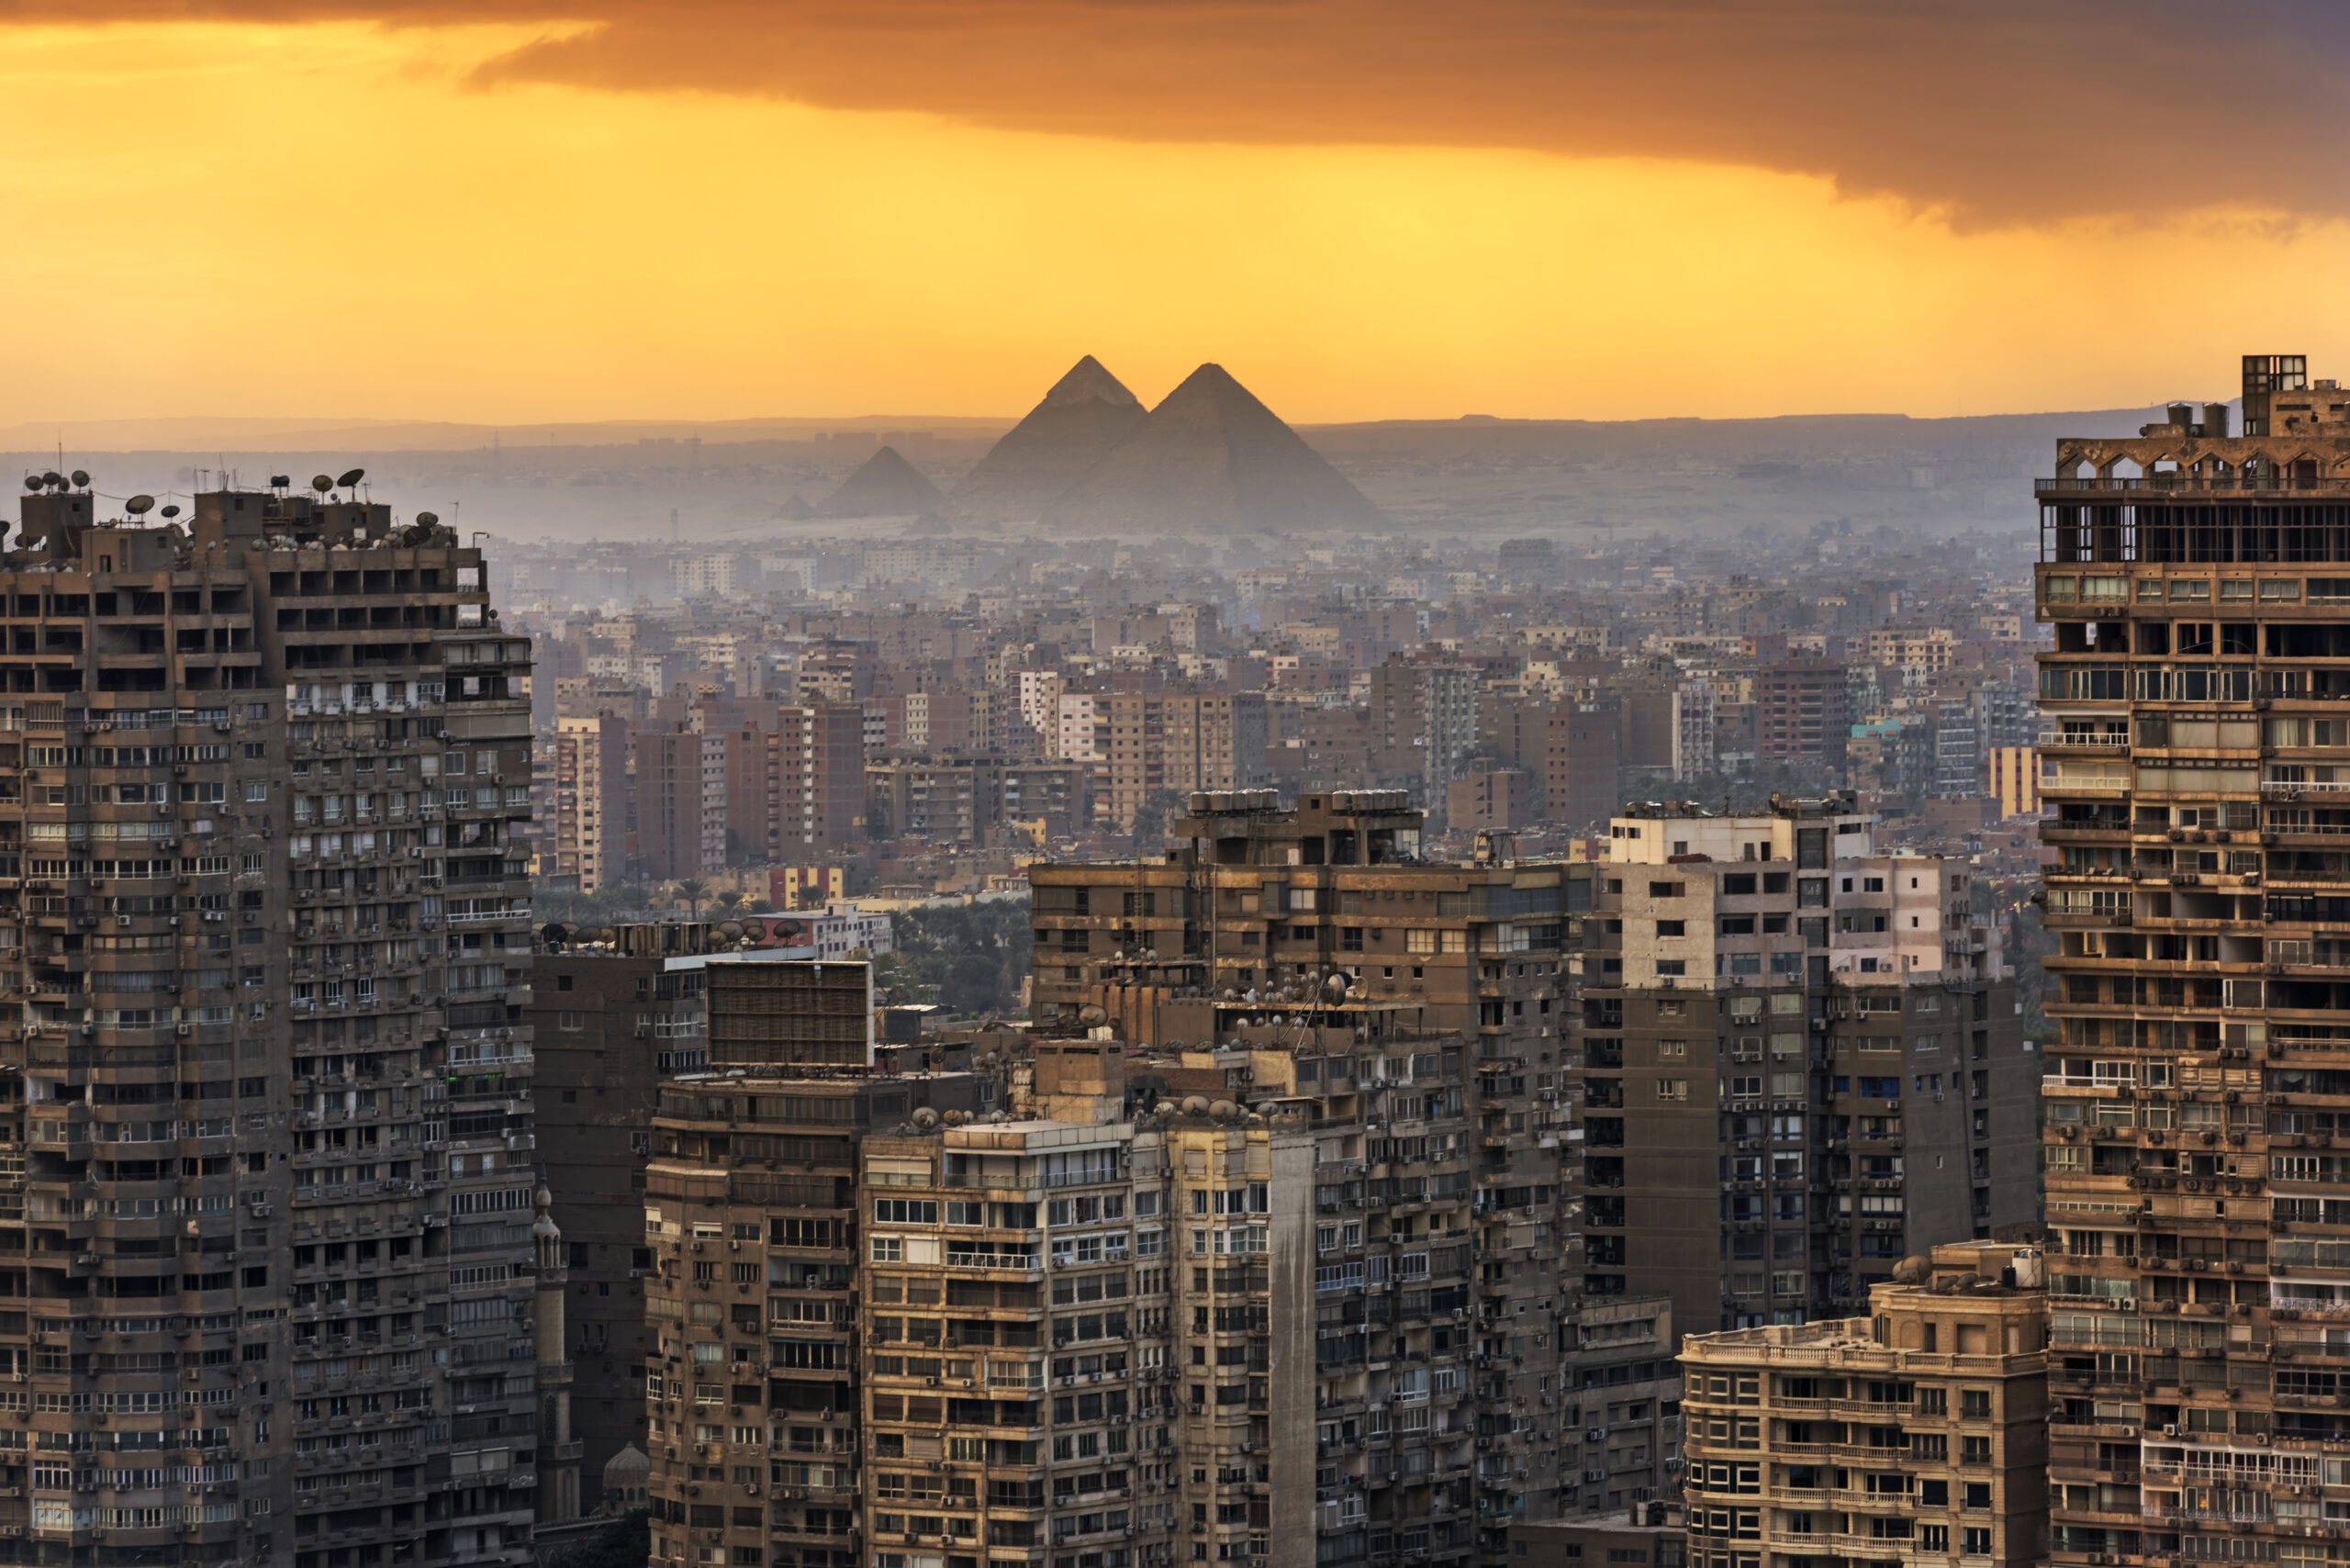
{"points": [[1084, 417], [885, 484], [1212, 459]]}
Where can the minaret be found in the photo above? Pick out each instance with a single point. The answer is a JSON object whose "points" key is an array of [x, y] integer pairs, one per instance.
{"points": [[558, 1453]]}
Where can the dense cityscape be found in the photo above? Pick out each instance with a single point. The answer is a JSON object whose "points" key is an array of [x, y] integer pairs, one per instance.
{"points": [[938, 1042]]}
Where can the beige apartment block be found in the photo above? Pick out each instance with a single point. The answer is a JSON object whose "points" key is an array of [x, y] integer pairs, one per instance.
{"points": [[1917, 1435]]}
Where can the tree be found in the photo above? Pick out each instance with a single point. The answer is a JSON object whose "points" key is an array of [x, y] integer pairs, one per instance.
{"points": [[1150, 819], [727, 903], [695, 892]]}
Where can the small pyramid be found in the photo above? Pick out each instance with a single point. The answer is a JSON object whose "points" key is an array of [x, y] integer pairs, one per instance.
{"points": [[1084, 417], [1212, 459], [795, 508], [885, 485]]}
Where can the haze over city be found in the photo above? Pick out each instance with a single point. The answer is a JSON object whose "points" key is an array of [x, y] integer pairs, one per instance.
{"points": [[1192, 784]]}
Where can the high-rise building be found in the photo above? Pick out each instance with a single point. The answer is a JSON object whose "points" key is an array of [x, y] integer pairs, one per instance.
{"points": [[753, 1393], [1250, 916], [591, 800], [1693, 729], [1802, 1063], [271, 1215], [1433, 707], [1150, 745], [1801, 713], [1917, 1434], [679, 794], [2197, 584], [610, 1020], [1581, 751], [795, 782]]}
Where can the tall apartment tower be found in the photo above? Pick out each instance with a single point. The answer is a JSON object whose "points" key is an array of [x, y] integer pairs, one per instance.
{"points": [[2197, 584], [1326, 912], [591, 799], [1802, 1063], [612, 1017], [267, 924]]}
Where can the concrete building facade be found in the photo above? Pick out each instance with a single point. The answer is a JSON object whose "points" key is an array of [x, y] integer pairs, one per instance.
{"points": [[271, 1215], [1802, 1062], [1916, 1434]]}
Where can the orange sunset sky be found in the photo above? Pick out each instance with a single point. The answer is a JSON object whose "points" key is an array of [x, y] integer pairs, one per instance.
{"points": [[520, 210]]}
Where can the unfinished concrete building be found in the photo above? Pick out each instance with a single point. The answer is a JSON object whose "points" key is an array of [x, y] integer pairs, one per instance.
{"points": [[267, 927]]}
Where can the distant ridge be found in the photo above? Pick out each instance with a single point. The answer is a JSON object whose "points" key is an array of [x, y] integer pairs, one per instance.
{"points": [[1212, 459], [1088, 412], [885, 484]]}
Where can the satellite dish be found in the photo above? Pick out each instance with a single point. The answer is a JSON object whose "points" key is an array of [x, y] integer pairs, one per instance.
{"points": [[53, 479], [607, 934], [730, 929], [82, 477], [33, 481], [320, 483], [351, 476], [426, 519], [556, 933], [172, 509], [139, 506]]}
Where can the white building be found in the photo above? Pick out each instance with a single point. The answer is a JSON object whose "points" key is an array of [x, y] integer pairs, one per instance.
{"points": [[1693, 729]]}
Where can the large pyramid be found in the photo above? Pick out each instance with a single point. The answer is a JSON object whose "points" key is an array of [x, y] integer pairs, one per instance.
{"points": [[1212, 459], [1088, 412], [885, 484]]}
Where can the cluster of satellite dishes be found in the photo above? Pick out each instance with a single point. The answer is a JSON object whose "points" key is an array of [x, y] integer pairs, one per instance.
{"points": [[52, 480]]}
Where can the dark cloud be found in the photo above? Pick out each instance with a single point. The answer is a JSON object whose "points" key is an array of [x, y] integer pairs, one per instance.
{"points": [[1997, 110]]}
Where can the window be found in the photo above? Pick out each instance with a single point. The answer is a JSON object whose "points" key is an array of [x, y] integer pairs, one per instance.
{"points": [[1673, 929], [1974, 1404], [1672, 1089], [889, 1249]]}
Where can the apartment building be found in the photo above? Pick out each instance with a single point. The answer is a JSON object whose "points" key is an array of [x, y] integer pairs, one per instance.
{"points": [[1801, 713], [1053, 1369], [590, 816], [2195, 586], [1324, 913], [946, 799], [1581, 747], [1694, 721], [1917, 1434], [1433, 707], [1147, 745], [669, 792], [795, 781], [753, 1389], [1802, 1062], [612, 1017], [270, 1204]]}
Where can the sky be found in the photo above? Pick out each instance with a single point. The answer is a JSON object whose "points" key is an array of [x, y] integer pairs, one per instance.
{"points": [[535, 210]]}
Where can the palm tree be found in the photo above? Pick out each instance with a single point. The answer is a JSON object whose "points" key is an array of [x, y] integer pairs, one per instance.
{"points": [[694, 891], [727, 903]]}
